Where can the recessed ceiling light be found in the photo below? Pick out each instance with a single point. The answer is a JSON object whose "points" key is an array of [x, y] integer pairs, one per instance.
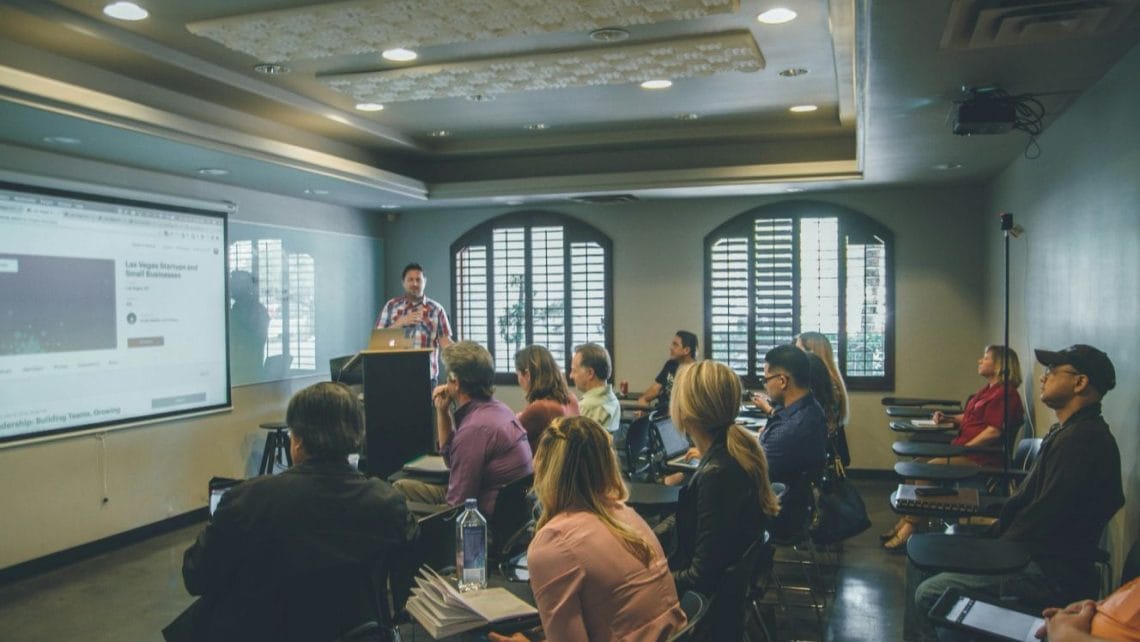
{"points": [[657, 84], [777, 16], [803, 109], [609, 34], [369, 106], [688, 116], [212, 171], [514, 201], [388, 206], [792, 72], [317, 192], [61, 140], [125, 11], [271, 69], [793, 190], [439, 133], [945, 167], [536, 127], [399, 54]]}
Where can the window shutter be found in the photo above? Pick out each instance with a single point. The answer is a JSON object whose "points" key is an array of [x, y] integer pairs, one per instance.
{"points": [[866, 307], [729, 303], [774, 291], [548, 289], [587, 293], [819, 277], [302, 312], [471, 288], [510, 305]]}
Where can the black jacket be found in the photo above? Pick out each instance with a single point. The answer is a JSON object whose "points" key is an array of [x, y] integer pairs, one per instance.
{"points": [[718, 517], [1065, 502], [296, 556]]}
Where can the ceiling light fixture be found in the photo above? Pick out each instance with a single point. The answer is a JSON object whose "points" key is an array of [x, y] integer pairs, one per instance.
{"points": [[399, 54], [317, 192], [688, 116], [61, 140], [792, 72], [125, 11], [514, 201], [388, 206], [439, 133], [657, 84], [609, 34], [536, 127], [777, 16], [212, 171], [794, 190], [803, 109], [369, 106], [271, 69], [945, 167]]}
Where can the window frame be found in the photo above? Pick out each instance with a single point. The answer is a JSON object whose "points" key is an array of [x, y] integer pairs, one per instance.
{"points": [[574, 231], [849, 222]]}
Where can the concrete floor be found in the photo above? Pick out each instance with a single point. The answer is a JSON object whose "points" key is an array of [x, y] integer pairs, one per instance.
{"points": [[129, 594]]}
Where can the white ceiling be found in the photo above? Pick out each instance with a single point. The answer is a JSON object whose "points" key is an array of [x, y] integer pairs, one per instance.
{"points": [[534, 108]]}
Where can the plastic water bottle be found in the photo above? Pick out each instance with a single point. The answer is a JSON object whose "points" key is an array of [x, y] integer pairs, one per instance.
{"points": [[471, 548]]}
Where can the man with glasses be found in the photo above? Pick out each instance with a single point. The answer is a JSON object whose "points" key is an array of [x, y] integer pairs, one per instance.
{"points": [[1064, 504], [795, 438]]}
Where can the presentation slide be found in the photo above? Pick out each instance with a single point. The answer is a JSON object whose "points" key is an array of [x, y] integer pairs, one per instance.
{"points": [[111, 312]]}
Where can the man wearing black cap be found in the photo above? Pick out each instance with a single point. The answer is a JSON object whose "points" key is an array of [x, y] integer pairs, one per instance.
{"points": [[1063, 505]]}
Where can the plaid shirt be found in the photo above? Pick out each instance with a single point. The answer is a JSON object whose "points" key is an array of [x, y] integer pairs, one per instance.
{"points": [[428, 331]]}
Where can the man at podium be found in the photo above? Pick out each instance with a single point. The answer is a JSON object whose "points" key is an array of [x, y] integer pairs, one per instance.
{"points": [[426, 318]]}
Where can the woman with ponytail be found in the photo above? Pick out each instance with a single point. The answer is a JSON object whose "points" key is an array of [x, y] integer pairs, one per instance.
{"points": [[727, 503], [596, 569]]}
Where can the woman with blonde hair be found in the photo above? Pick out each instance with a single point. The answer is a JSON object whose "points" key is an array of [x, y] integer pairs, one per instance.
{"points": [[596, 569], [727, 502], [979, 424], [547, 394], [818, 344]]}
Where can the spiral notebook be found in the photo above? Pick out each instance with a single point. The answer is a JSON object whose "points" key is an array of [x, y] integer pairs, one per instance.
{"points": [[964, 500]]}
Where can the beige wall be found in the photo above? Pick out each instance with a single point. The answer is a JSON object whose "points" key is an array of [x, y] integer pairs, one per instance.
{"points": [[53, 491], [1075, 273], [658, 263]]}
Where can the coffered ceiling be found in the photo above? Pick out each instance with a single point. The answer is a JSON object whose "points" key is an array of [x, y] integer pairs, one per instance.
{"points": [[532, 100]]}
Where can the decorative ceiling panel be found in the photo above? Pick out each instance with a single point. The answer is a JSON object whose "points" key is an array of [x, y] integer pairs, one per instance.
{"points": [[369, 26], [602, 65]]}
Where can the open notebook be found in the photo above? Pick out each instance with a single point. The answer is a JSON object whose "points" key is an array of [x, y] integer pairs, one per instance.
{"points": [[443, 611]]}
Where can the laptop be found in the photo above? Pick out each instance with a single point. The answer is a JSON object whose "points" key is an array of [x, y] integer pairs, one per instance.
{"points": [[674, 444], [218, 487], [391, 339]]}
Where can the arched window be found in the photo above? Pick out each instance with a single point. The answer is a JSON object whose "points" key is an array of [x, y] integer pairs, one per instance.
{"points": [[781, 269], [533, 278]]}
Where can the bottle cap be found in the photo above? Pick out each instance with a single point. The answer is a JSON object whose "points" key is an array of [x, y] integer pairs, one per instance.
{"points": [[471, 503]]}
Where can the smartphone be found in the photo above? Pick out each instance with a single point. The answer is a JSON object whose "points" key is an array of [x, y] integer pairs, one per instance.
{"points": [[960, 611]]}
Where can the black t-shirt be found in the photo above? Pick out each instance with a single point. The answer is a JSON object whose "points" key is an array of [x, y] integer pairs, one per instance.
{"points": [[665, 378]]}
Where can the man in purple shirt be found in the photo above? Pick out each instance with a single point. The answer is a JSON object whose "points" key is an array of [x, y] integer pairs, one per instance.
{"points": [[480, 439]]}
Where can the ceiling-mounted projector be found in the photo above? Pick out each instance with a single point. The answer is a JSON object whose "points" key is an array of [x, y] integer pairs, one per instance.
{"points": [[984, 112]]}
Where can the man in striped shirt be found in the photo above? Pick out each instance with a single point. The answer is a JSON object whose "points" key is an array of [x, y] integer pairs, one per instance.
{"points": [[426, 318]]}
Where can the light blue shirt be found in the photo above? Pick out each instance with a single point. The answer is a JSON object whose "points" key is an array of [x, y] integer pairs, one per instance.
{"points": [[601, 405]]}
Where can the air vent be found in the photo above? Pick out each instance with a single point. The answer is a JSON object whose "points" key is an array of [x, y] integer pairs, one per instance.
{"points": [[977, 24], [604, 199]]}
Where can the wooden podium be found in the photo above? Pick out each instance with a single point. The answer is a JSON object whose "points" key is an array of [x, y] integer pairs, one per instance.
{"points": [[398, 414]]}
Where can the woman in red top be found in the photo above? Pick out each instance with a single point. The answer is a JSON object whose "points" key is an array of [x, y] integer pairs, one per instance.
{"points": [[979, 424], [547, 394]]}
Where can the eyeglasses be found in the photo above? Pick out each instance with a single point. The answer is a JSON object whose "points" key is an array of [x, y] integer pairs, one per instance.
{"points": [[1050, 371], [765, 379]]}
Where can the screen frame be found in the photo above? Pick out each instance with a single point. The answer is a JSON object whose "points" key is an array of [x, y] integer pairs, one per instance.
{"points": [[74, 190]]}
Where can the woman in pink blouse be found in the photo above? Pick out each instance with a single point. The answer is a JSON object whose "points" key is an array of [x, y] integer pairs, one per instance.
{"points": [[596, 569], [547, 394]]}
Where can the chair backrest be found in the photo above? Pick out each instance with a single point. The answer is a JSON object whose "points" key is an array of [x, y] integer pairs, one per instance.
{"points": [[695, 607], [330, 603], [512, 513], [797, 507], [1026, 453], [636, 447], [727, 610], [435, 539]]}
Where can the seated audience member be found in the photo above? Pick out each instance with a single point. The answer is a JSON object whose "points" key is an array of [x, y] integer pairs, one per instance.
{"points": [[795, 437], [979, 424], [547, 394], [1113, 619], [818, 344], [727, 502], [682, 351], [1065, 502], [308, 538], [597, 571], [481, 440], [819, 383], [590, 369]]}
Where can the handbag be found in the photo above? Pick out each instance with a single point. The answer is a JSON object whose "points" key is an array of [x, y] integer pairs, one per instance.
{"points": [[840, 512]]}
